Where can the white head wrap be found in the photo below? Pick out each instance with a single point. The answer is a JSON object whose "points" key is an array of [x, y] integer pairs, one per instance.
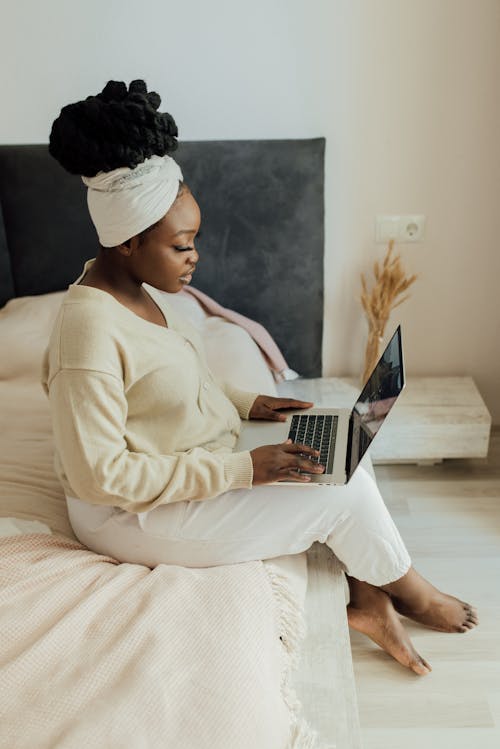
{"points": [[124, 201]]}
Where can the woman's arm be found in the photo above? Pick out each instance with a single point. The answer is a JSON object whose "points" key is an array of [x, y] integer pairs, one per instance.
{"points": [[89, 412], [243, 400]]}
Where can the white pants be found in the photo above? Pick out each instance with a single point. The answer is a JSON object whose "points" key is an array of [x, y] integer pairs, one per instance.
{"points": [[250, 524]]}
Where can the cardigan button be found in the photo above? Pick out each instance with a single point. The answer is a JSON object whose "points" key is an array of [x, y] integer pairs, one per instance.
{"points": [[205, 386]]}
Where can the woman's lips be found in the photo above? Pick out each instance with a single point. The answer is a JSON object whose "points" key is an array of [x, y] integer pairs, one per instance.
{"points": [[187, 276]]}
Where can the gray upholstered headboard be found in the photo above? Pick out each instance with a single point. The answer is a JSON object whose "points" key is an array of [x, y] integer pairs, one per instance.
{"points": [[262, 243]]}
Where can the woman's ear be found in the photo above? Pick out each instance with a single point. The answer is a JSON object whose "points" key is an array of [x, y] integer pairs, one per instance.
{"points": [[128, 246]]}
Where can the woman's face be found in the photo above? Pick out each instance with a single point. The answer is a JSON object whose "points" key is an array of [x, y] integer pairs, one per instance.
{"points": [[168, 251]]}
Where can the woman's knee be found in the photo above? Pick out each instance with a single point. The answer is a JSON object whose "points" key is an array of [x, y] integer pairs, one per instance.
{"points": [[328, 504], [363, 494]]}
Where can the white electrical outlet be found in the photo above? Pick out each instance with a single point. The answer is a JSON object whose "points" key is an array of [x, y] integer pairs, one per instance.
{"points": [[409, 228]]}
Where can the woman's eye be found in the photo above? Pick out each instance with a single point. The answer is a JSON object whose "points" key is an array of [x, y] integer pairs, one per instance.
{"points": [[176, 247]]}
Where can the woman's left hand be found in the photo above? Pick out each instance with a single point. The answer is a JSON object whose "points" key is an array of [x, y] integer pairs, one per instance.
{"points": [[266, 407]]}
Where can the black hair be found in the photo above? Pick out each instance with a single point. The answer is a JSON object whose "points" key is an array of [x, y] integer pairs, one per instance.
{"points": [[117, 127]]}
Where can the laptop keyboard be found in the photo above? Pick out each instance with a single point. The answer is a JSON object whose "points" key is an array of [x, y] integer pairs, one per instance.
{"points": [[318, 431]]}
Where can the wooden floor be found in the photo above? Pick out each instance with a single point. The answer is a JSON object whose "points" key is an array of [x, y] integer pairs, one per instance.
{"points": [[449, 518]]}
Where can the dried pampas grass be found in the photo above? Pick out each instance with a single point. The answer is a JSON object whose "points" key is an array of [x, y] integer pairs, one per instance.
{"points": [[379, 302]]}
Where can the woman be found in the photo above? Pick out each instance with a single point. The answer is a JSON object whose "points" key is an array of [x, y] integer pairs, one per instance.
{"points": [[144, 434]]}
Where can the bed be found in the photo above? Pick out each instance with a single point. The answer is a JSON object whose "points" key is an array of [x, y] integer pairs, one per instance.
{"points": [[97, 653]]}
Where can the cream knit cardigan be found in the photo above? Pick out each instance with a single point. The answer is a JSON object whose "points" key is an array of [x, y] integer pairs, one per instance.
{"points": [[138, 418]]}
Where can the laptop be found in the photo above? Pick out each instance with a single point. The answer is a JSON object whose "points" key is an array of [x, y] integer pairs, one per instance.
{"points": [[343, 436]]}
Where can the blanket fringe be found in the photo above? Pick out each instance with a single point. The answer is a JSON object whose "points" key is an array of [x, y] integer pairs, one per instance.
{"points": [[292, 630]]}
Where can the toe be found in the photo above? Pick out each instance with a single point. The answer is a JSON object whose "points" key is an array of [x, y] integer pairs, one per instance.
{"points": [[420, 667], [471, 609], [427, 665]]}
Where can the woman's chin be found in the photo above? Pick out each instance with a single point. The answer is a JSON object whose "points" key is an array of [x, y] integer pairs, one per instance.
{"points": [[171, 287]]}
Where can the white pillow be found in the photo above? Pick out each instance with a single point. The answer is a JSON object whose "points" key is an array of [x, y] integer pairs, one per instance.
{"points": [[186, 306], [25, 326], [232, 353]]}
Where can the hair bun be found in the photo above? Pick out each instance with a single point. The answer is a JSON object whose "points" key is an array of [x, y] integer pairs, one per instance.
{"points": [[113, 91], [117, 127]]}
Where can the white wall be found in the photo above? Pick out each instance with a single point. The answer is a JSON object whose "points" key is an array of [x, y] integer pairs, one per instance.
{"points": [[405, 91]]}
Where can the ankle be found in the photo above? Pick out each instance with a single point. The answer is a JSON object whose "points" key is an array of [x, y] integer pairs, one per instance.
{"points": [[412, 591], [360, 593], [418, 604]]}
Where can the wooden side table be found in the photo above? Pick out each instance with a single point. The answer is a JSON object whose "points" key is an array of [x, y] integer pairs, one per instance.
{"points": [[434, 417]]}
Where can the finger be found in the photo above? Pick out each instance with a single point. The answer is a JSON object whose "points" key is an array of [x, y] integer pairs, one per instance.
{"points": [[309, 466], [304, 464], [294, 476], [297, 447], [292, 403], [275, 415]]}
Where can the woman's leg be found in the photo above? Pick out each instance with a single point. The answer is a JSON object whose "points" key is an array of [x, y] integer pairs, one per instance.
{"points": [[258, 523], [267, 521], [371, 612], [411, 594]]}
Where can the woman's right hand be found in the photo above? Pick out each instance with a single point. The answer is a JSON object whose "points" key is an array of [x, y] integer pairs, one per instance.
{"points": [[282, 463]]}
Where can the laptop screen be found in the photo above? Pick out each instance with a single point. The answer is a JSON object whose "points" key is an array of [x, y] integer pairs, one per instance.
{"points": [[378, 397]]}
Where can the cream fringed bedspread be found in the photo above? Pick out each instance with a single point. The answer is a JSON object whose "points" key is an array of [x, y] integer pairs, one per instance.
{"points": [[98, 654]]}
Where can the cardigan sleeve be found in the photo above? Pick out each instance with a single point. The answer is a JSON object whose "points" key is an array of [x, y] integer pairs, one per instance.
{"points": [[89, 411], [243, 400]]}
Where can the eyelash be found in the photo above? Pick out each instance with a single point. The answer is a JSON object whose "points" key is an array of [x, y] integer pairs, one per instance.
{"points": [[187, 248]]}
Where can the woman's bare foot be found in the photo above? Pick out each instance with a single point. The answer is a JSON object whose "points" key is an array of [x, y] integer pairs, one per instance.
{"points": [[418, 599], [371, 612], [443, 612]]}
